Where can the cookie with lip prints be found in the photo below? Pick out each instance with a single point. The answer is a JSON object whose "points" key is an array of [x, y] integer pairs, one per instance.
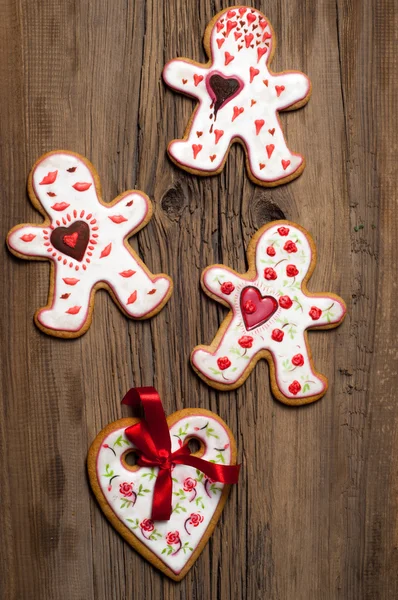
{"points": [[86, 242]]}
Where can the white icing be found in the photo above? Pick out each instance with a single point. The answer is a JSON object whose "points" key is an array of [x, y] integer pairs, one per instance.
{"points": [[266, 107], [185, 503], [293, 321], [104, 233]]}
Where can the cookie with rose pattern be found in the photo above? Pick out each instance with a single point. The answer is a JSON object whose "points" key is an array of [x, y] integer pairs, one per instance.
{"points": [[239, 100], [85, 240], [271, 311], [126, 493]]}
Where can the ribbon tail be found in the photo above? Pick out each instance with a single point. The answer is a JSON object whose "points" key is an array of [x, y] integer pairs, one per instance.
{"points": [[228, 474], [162, 496]]}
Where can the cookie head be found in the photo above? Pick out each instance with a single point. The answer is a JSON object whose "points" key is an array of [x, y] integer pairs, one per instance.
{"points": [[240, 35]]}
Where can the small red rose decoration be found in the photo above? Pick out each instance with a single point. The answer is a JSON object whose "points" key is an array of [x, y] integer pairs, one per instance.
{"points": [[227, 287], [126, 489], [271, 251], [195, 519], [298, 360], [291, 271], [147, 525], [223, 363], [189, 484], [283, 230], [285, 302], [277, 335], [315, 313], [294, 387], [290, 247], [270, 274], [246, 341], [173, 537]]}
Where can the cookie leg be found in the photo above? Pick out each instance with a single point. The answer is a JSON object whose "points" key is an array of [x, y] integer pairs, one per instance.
{"points": [[295, 376], [231, 358], [69, 310], [206, 153], [138, 292]]}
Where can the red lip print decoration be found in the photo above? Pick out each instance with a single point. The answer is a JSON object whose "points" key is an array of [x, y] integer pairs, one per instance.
{"points": [[60, 206], [71, 240], [222, 89], [256, 309], [81, 186], [49, 178]]}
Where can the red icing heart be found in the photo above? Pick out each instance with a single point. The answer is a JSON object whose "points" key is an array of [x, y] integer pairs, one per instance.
{"points": [[72, 240], [256, 309]]}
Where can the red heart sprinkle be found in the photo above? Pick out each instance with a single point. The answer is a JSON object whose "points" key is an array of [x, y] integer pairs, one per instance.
{"points": [[197, 79], [228, 58], [196, 149], [259, 123], [270, 148], [253, 73]]}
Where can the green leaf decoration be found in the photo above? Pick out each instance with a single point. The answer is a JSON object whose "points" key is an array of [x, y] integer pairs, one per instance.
{"points": [[178, 508], [210, 432], [200, 476], [120, 441], [199, 502], [214, 488], [151, 474], [220, 458], [214, 371], [306, 387], [108, 472], [180, 494]]}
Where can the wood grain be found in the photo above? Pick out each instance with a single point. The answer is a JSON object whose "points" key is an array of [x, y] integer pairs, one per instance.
{"points": [[315, 515]]}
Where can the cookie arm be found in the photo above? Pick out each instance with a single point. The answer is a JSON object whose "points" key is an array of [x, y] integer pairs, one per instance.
{"points": [[30, 240], [323, 310], [297, 89], [222, 282], [128, 212], [185, 76]]}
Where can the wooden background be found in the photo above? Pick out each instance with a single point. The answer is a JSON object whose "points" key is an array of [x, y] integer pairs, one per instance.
{"points": [[315, 514]]}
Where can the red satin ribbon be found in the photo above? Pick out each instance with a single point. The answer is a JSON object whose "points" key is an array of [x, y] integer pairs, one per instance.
{"points": [[151, 437]]}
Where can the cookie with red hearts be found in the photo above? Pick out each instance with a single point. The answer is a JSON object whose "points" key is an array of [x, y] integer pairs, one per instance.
{"points": [[239, 99], [85, 240], [126, 493], [271, 311]]}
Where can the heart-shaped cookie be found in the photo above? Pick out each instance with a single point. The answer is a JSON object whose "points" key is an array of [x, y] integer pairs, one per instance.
{"points": [[72, 240], [256, 308], [125, 493]]}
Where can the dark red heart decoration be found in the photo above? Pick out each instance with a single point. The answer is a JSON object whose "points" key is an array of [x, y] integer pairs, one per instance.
{"points": [[256, 309], [72, 240], [222, 89]]}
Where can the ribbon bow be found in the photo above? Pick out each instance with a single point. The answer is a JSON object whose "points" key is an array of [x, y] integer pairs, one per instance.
{"points": [[151, 437]]}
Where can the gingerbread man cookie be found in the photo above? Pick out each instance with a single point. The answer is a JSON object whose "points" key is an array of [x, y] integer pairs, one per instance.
{"points": [[86, 242], [239, 99], [271, 311]]}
